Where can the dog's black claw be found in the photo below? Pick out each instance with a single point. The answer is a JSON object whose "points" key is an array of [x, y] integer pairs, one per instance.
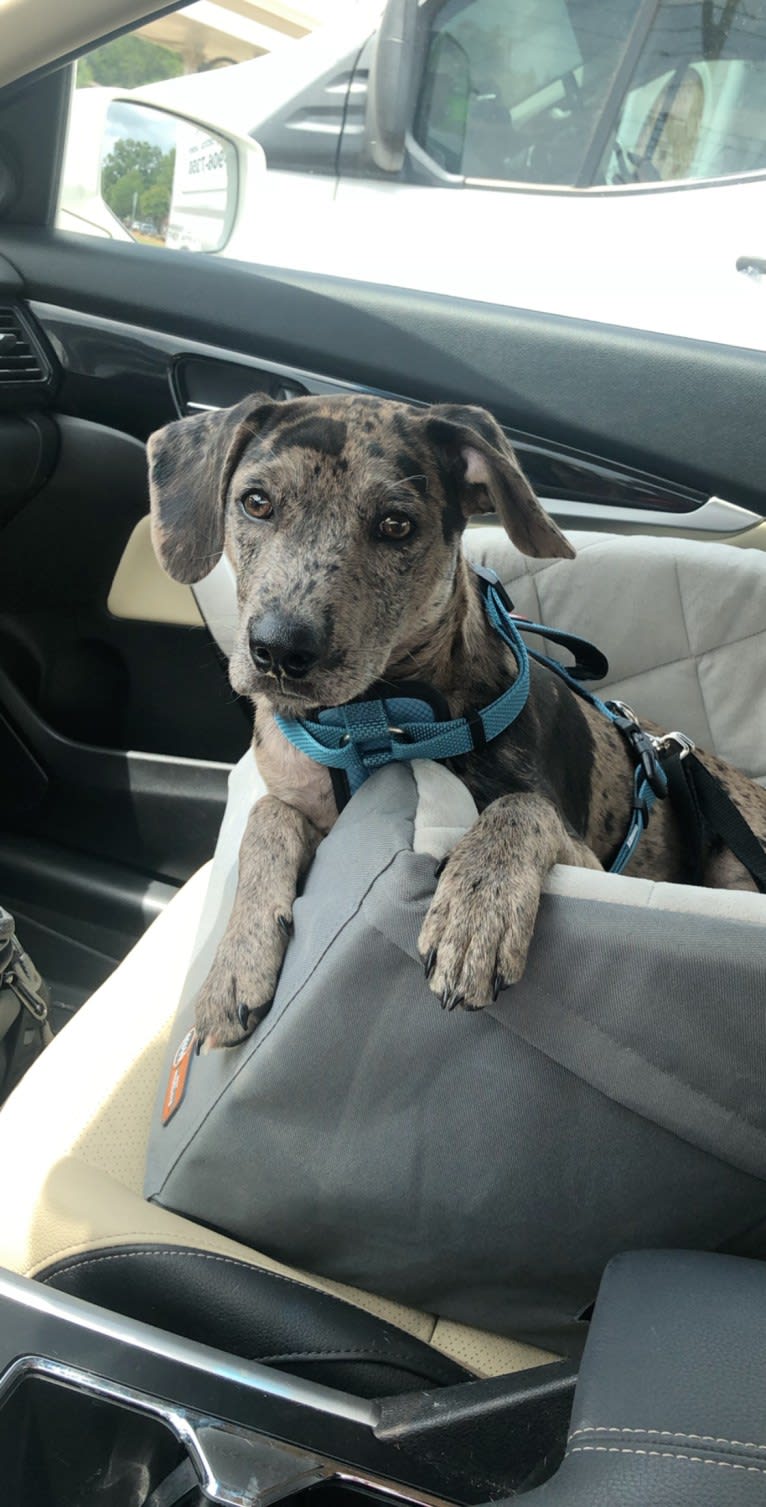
{"points": [[430, 962], [440, 867], [450, 999], [199, 1045], [260, 1013], [498, 983], [285, 926], [243, 1016]]}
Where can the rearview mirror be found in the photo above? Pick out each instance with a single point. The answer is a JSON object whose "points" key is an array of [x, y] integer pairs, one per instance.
{"points": [[167, 180]]}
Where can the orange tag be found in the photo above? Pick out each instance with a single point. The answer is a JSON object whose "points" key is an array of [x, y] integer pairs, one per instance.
{"points": [[179, 1075]]}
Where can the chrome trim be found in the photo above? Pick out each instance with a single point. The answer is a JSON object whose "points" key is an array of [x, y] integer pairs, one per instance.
{"points": [[716, 516], [235, 1466], [145, 1339]]}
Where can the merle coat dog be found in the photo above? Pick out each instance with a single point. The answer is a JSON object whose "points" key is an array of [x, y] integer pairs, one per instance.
{"points": [[343, 519]]}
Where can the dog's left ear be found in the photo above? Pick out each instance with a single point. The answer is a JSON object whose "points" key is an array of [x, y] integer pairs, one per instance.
{"points": [[491, 477]]}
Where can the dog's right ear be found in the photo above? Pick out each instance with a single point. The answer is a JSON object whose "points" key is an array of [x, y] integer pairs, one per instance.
{"points": [[190, 463]]}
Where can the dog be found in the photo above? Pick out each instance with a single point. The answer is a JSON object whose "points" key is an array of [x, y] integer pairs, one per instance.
{"points": [[343, 519]]}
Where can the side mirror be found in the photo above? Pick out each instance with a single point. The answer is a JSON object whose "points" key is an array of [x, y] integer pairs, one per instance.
{"points": [[391, 87], [169, 181], [135, 171]]}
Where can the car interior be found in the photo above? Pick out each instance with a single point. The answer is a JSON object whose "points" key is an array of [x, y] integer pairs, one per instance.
{"points": [[206, 1371]]}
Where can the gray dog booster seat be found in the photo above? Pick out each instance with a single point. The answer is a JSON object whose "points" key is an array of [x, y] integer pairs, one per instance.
{"points": [[485, 1167]]}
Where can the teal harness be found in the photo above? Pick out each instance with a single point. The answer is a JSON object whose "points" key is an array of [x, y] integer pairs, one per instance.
{"points": [[408, 721]]}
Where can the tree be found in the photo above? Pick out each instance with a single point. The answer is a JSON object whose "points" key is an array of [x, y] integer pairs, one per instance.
{"points": [[129, 155], [154, 203], [138, 177], [124, 195], [127, 62]]}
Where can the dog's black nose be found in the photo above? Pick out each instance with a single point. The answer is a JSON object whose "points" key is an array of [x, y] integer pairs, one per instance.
{"points": [[283, 646]]}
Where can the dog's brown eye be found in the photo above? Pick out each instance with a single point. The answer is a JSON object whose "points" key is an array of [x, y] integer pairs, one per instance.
{"points": [[256, 504], [395, 526]]}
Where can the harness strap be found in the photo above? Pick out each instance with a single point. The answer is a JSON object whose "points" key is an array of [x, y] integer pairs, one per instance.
{"points": [[589, 662], [364, 735], [708, 812], [643, 801], [400, 723]]}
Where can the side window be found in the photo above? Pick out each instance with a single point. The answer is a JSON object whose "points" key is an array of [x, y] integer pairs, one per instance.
{"points": [[577, 93]]}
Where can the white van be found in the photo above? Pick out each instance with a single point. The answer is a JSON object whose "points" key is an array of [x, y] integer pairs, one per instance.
{"points": [[607, 162]]}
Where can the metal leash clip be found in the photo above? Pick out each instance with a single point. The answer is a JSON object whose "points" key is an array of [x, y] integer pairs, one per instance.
{"points": [[643, 746], [669, 743]]}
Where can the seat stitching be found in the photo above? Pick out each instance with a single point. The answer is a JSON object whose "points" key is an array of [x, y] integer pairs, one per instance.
{"points": [[658, 1454], [179, 1254], [631, 1053], [667, 1434], [245, 1266], [404, 1362]]}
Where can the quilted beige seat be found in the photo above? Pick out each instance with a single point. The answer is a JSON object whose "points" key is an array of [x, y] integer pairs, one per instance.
{"points": [[684, 626]]}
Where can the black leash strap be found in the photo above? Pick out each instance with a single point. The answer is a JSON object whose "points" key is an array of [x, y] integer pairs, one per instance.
{"points": [[705, 812]]}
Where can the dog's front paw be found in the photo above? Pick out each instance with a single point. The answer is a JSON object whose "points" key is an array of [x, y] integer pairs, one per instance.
{"points": [[475, 938], [239, 989]]}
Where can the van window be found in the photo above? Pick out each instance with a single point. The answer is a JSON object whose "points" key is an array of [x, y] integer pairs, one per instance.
{"points": [[579, 94]]}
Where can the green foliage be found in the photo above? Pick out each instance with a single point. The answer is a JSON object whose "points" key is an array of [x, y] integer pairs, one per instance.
{"points": [[127, 156], [123, 193], [127, 62], [154, 204], [137, 179]]}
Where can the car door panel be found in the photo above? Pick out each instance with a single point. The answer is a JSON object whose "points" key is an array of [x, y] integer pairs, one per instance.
{"points": [[648, 401]]}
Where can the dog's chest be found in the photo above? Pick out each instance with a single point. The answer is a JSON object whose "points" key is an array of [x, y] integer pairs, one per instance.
{"points": [[291, 776]]}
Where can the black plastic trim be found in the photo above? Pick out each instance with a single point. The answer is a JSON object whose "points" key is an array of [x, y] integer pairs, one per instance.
{"points": [[109, 802], [636, 399], [115, 354]]}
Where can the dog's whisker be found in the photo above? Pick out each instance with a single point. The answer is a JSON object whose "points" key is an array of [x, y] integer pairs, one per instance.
{"points": [[393, 485]]}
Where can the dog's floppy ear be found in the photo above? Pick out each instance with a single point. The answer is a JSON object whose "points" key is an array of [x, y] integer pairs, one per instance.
{"points": [[190, 464], [491, 477]]}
